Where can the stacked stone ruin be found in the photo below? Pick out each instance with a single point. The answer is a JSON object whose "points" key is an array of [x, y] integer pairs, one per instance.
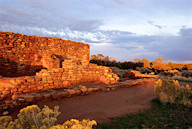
{"points": [[31, 64]]}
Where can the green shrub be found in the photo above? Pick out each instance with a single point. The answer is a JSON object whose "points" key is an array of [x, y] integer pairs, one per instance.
{"points": [[144, 70], [187, 73], [75, 124], [32, 117], [185, 95], [118, 71], [181, 78], [6, 122], [170, 91]]}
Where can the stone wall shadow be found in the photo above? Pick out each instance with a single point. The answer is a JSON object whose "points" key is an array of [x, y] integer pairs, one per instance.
{"points": [[10, 68]]}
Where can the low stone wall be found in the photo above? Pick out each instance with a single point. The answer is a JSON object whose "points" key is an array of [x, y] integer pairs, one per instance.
{"points": [[67, 76], [139, 75], [26, 99]]}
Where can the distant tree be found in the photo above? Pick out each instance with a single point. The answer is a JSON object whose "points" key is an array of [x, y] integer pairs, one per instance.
{"points": [[106, 58], [137, 60], [171, 65], [146, 63], [113, 59], [158, 64], [100, 59], [189, 66], [100, 56], [160, 60], [94, 57]]}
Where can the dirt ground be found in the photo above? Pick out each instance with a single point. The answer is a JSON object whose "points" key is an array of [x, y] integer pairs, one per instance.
{"points": [[101, 106]]}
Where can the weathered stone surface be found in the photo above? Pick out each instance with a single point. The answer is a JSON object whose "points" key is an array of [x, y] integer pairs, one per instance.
{"points": [[104, 89], [72, 92], [95, 88], [64, 94], [78, 92], [46, 95], [5, 82], [83, 90], [33, 50], [57, 95], [38, 96], [15, 97], [21, 100], [90, 89], [8, 101], [5, 113], [29, 98]]}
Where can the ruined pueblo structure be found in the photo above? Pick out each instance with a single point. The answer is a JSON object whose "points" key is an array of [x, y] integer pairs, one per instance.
{"points": [[30, 64]]}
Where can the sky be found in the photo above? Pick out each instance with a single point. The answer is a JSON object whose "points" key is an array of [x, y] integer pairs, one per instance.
{"points": [[125, 29]]}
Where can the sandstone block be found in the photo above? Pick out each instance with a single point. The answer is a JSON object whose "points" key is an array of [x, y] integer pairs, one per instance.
{"points": [[38, 96], [26, 90], [15, 97], [95, 88], [29, 98], [104, 89], [46, 95], [78, 92], [54, 96], [14, 90], [83, 90], [64, 94], [6, 92], [71, 92], [90, 89], [40, 88], [8, 101], [21, 100]]}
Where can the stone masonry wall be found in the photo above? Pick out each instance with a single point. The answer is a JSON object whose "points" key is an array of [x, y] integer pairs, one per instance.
{"points": [[23, 60], [23, 55], [69, 75]]}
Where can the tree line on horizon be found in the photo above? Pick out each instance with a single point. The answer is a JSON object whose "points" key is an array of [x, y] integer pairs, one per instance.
{"points": [[156, 65]]}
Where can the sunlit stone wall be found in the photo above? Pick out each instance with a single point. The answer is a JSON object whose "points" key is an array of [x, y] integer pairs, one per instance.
{"points": [[25, 55]]}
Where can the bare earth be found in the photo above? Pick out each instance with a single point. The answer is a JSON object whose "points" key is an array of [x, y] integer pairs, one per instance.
{"points": [[101, 106]]}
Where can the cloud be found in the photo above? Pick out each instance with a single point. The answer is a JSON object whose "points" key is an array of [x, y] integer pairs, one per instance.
{"points": [[158, 26], [120, 52], [120, 2], [19, 17], [186, 32], [51, 15]]}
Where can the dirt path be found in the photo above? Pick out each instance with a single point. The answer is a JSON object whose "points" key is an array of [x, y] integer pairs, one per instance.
{"points": [[101, 106]]}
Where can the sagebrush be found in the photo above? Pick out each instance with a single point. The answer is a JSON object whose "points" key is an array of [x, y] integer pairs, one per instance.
{"points": [[32, 117], [170, 91]]}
